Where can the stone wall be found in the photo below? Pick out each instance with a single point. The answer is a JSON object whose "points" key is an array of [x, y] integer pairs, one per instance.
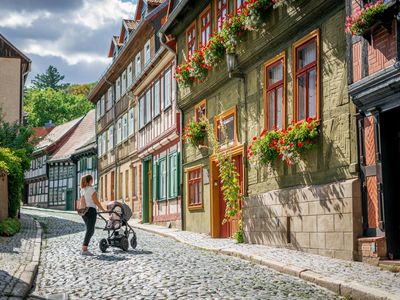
{"points": [[320, 219], [3, 198]]}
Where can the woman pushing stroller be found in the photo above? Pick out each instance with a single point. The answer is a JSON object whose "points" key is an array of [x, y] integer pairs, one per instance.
{"points": [[90, 214]]}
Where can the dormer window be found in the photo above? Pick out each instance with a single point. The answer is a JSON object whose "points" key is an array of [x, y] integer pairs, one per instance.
{"points": [[147, 53], [126, 35]]}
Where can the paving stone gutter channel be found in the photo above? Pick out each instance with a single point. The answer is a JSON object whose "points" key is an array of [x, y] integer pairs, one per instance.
{"points": [[351, 290], [26, 272]]}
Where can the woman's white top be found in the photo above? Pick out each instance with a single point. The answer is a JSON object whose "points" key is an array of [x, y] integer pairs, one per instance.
{"points": [[87, 192]]}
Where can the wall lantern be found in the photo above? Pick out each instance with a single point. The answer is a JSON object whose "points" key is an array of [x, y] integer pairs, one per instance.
{"points": [[231, 62], [232, 65]]}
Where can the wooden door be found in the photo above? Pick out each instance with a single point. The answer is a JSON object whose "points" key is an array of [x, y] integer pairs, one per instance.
{"points": [[229, 228], [112, 184]]}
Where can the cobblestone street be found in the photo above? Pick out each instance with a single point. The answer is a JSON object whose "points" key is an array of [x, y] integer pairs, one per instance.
{"points": [[159, 268]]}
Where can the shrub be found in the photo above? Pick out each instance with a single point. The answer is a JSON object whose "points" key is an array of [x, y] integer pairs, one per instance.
{"points": [[9, 227], [359, 22]]}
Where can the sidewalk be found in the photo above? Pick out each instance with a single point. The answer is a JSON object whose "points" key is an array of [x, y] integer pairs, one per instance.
{"points": [[351, 279], [19, 259]]}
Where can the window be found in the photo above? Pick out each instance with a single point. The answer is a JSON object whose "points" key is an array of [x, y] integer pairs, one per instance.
{"points": [[118, 89], [103, 142], [141, 112], [110, 98], [147, 107], [131, 121], [225, 125], [274, 105], [156, 180], [163, 178], [89, 165], [156, 99], [167, 88], [200, 110], [99, 150], [102, 103], [221, 9], [111, 137], [98, 110], [205, 26], [306, 91], [239, 4], [123, 83], [129, 75], [138, 66], [147, 53], [191, 39], [173, 179], [195, 188], [119, 131], [125, 127]]}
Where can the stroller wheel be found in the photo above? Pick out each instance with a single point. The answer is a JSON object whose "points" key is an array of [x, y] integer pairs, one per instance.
{"points": [[133, 241], [124, 243], [103, 245]]}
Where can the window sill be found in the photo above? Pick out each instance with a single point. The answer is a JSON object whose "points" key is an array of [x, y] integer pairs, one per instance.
{"points": [[195, 208], [168, 107]]}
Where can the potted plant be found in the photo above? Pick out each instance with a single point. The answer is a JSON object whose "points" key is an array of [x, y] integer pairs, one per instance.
{"points": [[195, 133], [364, 19], [214, 50], [183, 76], [197, 67]]}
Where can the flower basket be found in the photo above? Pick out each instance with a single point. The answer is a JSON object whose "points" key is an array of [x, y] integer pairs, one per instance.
{"points": [[195, 133], [367, 17], [232, 32], [182, 76], [287, 144], [254, 12], [197, 68], [214, 50]]}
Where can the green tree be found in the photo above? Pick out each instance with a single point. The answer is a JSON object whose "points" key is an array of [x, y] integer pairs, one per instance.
{"points": [[58, 106], [80, 89], [50, 79]]}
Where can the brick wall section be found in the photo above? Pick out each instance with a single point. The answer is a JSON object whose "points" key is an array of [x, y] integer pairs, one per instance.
{"points": [[382, 50], [324, 219], [356, 61], [370, 159]]}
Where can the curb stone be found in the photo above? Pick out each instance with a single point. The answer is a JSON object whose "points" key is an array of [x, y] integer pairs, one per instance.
{"points": [[352, 289], [27, 276]]}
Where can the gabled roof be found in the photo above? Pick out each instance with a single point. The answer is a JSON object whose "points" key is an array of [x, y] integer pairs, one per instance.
{"points": [[56, 135], [39, 133], [84, 132], [114, 43], [140, 7], [126, 25]]}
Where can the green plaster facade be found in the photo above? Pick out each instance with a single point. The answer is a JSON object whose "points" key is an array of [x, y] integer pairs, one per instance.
{"points": [[330, 169]]}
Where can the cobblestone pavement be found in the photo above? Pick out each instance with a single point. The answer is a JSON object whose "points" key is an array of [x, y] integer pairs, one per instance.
{"points": [[159, 268], [346, 271], [15, 253]]}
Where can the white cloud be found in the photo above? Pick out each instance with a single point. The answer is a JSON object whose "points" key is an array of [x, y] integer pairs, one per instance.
{"points": [[21, 19], [98, 13], [74, 58]]}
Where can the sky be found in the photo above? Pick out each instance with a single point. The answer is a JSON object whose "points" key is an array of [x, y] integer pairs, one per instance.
{"points": [[72, 35]]}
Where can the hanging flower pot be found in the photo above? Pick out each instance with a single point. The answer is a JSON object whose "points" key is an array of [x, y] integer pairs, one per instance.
{"points": [[195, 133]]}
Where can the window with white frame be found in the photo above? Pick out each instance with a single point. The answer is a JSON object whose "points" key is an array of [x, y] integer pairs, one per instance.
{"points": [[148, 106], [131, 121], [138, 65], [99, 148], [102, 103], [103, 143], [110, 98], [156, 99], [167, 88], [129, 75], [118, 89], [163, 177], [125, 127], [111, 137], [98, 110], [147, 53], [141, 112], [123, 83], [119, 131]]}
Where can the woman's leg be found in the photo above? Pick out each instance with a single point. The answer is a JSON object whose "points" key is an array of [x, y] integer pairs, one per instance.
{"points": [[90, 221]]}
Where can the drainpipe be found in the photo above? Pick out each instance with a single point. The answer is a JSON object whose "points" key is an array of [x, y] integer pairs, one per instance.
{"points": [[164, 44]]}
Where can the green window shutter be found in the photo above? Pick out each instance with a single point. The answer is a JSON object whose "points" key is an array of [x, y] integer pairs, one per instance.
{"points": [[173, 178], [155, 180]]}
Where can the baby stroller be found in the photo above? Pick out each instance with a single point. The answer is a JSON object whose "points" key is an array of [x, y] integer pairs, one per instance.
{"points": [[117, 227]]}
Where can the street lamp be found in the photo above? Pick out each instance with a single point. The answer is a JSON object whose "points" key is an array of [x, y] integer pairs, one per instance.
{"points": [[231, 62]]}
